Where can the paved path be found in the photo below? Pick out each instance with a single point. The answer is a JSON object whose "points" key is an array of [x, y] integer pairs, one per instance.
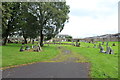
{"points": [[66, 68], [49, 70]]}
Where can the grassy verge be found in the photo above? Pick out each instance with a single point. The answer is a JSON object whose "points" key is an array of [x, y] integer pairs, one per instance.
{"points": [[12, 56], [102, 65]]}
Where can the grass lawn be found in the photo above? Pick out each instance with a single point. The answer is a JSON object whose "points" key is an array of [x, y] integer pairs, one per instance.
{"points": [[12, 56], [102, 65]]}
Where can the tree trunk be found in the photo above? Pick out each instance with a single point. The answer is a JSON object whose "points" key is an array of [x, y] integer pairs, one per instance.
{"points": [[5, 37], [5, 41], [25, 40], [41, 38]]}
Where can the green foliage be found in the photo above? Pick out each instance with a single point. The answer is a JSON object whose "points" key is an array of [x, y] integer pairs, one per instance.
{"points": [[45, 19]]}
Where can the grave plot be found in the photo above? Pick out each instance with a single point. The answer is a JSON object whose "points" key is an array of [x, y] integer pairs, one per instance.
{"points": [[33, 48]]}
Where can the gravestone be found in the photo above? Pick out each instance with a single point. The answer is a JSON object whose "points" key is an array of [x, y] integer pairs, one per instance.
{"points": [[102, 43], [77, 44], [107, 44], [21, 49], [113, 44], [27, 47], [72, 44], [94, 46], [36, 49], [109, 50], [32, 46], [99, 46], [102, 50]]}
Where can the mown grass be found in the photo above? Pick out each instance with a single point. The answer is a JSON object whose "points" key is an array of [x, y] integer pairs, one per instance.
{"points": [[12, 56], [102, 65]]}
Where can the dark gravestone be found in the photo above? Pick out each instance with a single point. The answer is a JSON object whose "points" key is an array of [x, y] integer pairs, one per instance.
{"points": [[109, 51], [21, 49], [113, 44], [27, 48], [102, 50]]}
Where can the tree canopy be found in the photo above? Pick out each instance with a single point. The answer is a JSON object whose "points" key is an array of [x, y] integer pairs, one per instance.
{"points": [[33, 19]]}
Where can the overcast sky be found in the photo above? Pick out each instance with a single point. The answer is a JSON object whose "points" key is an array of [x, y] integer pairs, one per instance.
{"points": [[91, 18]]}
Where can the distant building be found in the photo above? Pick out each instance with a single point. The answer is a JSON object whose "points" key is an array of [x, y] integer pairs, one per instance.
{"points": [[107, 37], [60, 38]]}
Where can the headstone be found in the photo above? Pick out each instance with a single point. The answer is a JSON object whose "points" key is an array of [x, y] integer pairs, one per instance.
{"points": [[102, 43], [102, 50], [77, 44], [94, 46], [99, 46], [21, 49], [27, 47], [113, 44], [32, 46], [107, 44], [72, 44], [109, 51], [36, 49]]}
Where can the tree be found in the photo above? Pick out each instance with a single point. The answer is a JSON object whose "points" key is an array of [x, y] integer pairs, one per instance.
{"points": [[27, 23], [9, 11], [51, 16], [45, 19]]}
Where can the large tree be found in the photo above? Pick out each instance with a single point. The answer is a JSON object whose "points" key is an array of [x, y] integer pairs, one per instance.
{"points": [[9, 14], [45, 19], [51, 16]]}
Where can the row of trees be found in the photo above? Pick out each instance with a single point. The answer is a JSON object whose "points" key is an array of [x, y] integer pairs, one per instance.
{"points": [[32, 19]]}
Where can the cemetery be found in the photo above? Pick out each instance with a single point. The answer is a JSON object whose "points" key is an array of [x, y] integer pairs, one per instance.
{"points": [[32, 44], [95, 53]]}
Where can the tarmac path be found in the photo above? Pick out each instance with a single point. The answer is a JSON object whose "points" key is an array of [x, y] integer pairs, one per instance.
{"points": [[65, 65]]}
